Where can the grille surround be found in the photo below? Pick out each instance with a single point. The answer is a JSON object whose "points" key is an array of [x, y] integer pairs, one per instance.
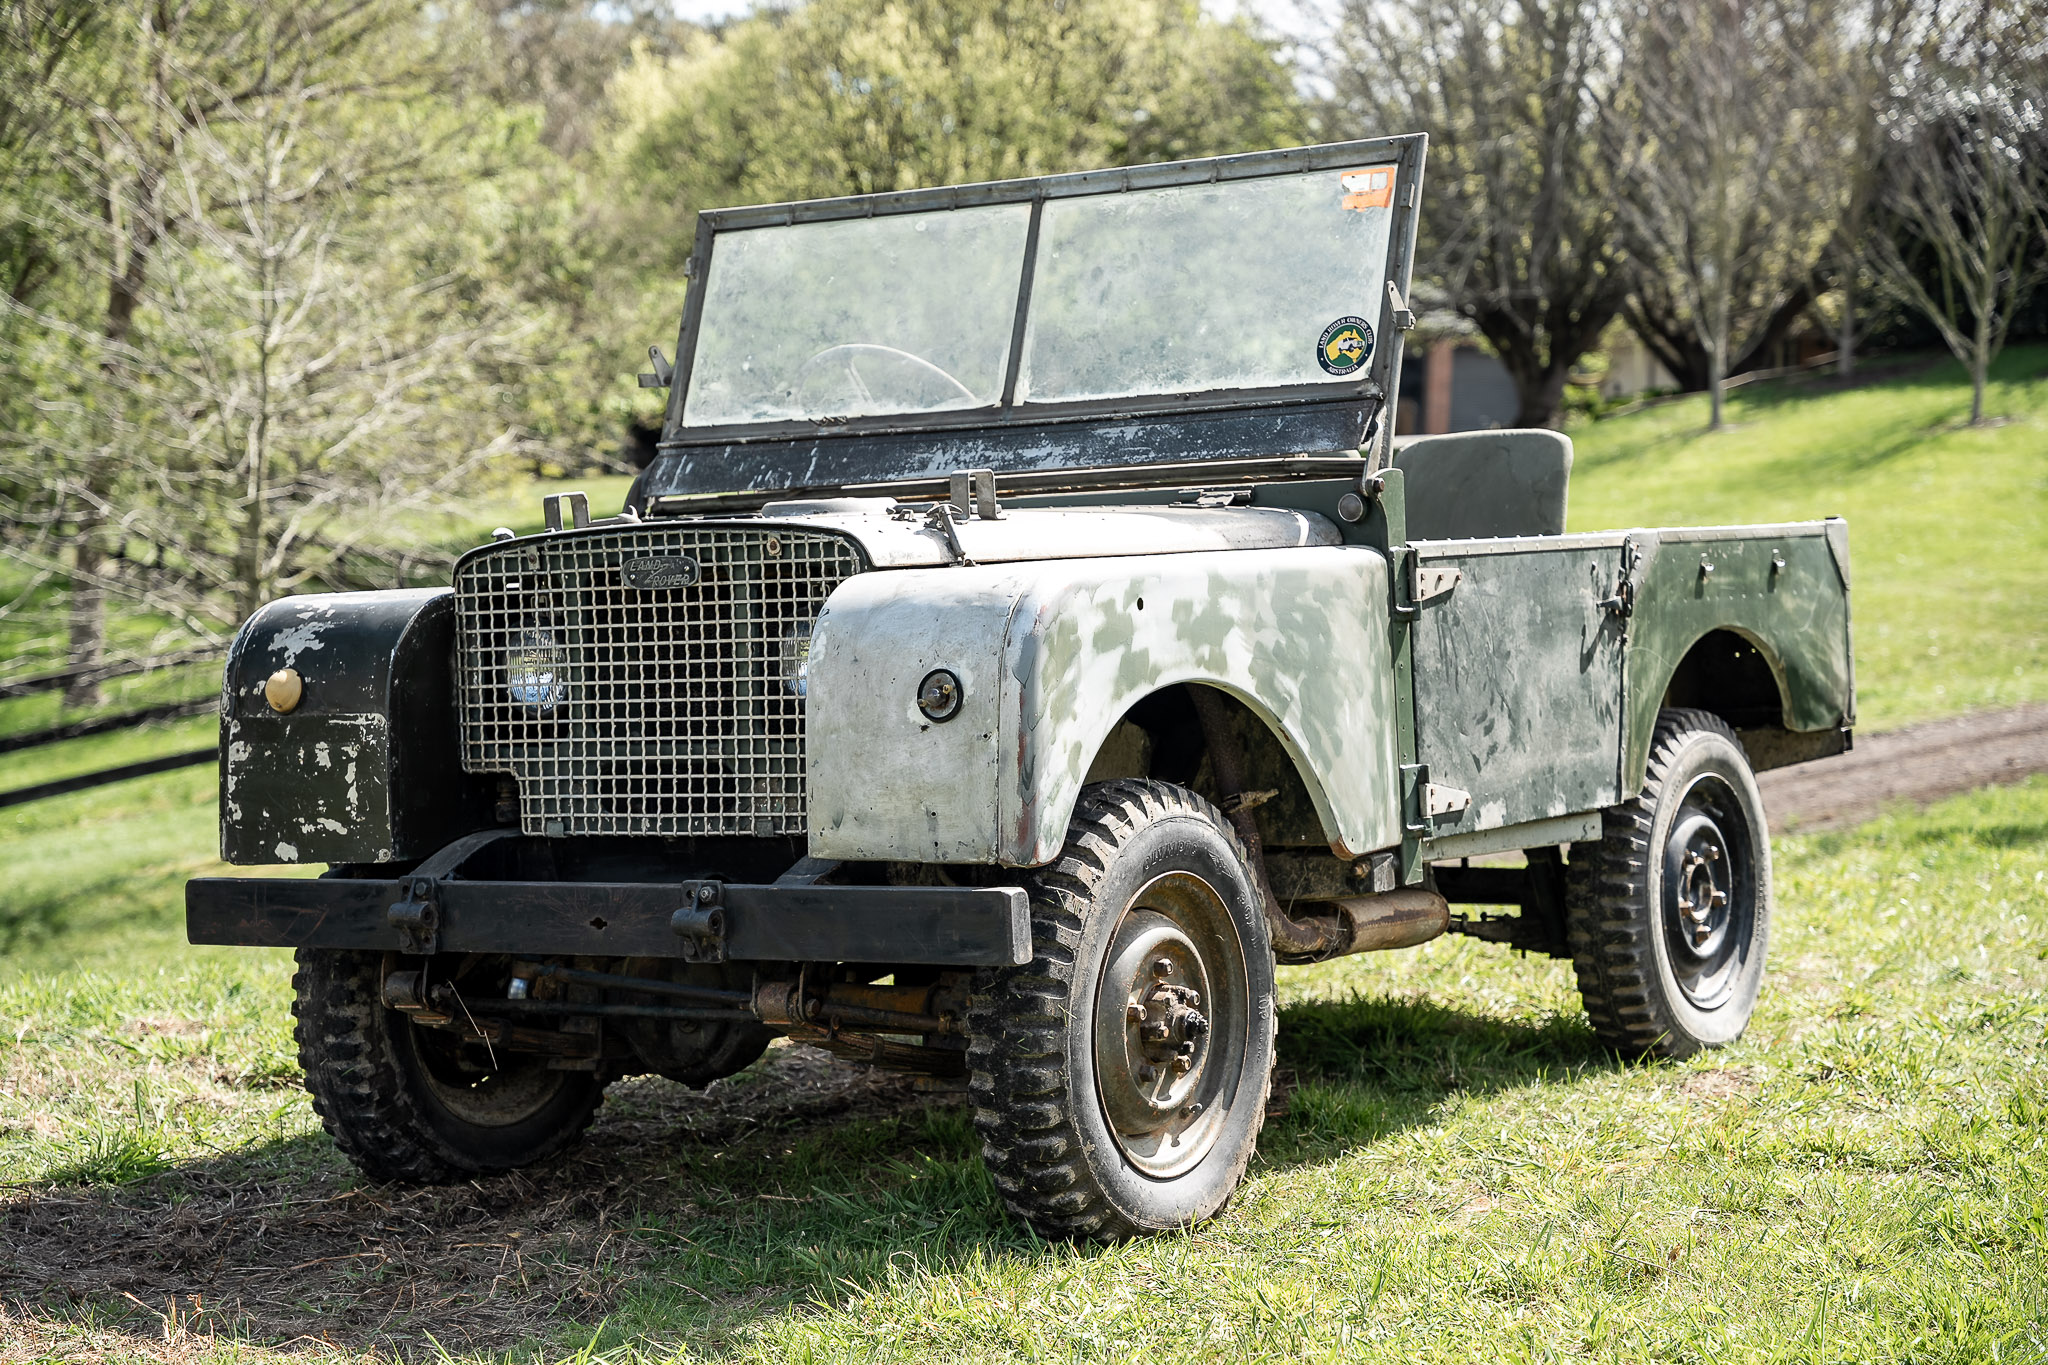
{"points": [[675, 717]]}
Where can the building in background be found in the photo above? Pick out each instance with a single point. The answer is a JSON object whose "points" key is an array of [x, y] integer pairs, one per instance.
{"points": [[1448, 383]]}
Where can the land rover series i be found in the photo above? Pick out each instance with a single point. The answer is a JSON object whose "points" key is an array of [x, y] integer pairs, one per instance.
{"points": [[1027, 635]]}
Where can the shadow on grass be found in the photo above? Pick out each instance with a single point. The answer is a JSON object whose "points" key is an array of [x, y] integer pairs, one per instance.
{"points": [[1365, 1068], [39, 916], [686, 1216]]}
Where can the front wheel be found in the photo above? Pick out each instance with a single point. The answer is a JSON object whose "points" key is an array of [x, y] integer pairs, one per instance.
{"points": [[1670, 913], [1120, 1079], [419, 1105]]}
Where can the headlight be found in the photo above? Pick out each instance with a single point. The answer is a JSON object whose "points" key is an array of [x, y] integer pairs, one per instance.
{"points": [[796, 659], [533, 669]]}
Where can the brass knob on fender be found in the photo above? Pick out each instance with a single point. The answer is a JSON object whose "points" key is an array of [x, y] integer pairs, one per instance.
{"points": [[283, 689]]}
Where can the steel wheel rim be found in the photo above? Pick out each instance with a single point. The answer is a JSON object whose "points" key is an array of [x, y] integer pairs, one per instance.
{"points": [[497, 1097], [1708, 901], [1186, 1025]]}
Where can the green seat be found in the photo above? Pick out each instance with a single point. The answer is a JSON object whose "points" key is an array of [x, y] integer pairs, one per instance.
{"points": [[1473, 484]]}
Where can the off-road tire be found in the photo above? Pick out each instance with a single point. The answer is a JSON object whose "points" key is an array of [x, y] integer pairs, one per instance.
{"points": [[365, 1069], [1031, 1057], [1621, 920]]}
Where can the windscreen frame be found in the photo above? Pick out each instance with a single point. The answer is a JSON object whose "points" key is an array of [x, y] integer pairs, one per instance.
{"points": [[915, 434]]}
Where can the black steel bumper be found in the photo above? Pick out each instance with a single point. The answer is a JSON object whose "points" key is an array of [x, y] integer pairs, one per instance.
{"points": [[695, 921]]}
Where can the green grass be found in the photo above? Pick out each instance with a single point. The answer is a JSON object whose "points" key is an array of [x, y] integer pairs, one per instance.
{"points": [[1948, 525], [1463, 1174]]}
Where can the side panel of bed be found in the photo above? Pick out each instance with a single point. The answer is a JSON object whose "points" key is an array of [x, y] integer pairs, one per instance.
{"points": [[1539, 672]]}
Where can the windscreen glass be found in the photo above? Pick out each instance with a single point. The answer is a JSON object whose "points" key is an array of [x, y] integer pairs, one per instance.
{"points": [[857, 318], [1259, 283], [1251, 284]]}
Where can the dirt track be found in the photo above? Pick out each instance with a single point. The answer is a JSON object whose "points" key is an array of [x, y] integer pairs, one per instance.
{"points": [[1920, 764]]}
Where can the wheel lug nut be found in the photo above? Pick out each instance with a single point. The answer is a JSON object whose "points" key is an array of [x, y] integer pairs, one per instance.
{"points": [[1135, 1012], [1146, 1072], [1183, 1064], [1162, 967], [1191, 1110]]}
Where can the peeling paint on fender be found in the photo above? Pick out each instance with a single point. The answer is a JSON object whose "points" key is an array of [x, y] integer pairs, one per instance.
{"points": [[1052, 655]]}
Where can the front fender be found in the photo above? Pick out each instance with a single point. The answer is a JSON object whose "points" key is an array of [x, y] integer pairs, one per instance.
{"points": [[1052, 655], [365, 768]]}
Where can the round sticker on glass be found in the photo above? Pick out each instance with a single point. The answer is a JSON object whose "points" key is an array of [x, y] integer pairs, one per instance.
{"points": [[1344, 346]]}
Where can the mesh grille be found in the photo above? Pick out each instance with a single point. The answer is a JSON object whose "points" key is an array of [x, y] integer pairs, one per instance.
{"points": [[671, 708]]}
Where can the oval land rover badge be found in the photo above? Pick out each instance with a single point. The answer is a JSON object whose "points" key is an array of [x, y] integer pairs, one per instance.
{"points": [[1344, 346], [661, 571]]}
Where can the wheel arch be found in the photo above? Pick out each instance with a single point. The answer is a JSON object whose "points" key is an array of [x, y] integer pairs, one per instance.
{"points": [[1159, 736], [1053, 656], [1731, 671]]}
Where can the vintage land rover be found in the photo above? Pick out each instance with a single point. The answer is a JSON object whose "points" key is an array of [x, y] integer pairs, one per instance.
{"points": [[1028, 634]]}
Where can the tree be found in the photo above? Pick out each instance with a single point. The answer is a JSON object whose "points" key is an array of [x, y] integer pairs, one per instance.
{"points": [[854, 96], [160, 72], [1518, 213], [295, 316], [40, 42], [1867, 67], [1731, 155], [1964, 200]]}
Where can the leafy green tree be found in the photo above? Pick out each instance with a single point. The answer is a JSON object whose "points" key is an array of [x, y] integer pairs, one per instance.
{"points": [[856, 96], [279, 288]]}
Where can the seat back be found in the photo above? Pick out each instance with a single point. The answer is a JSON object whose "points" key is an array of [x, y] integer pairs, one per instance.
{"points": [[1486, 483]]}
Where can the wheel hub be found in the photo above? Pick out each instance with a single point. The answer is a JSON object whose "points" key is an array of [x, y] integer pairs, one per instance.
{"points": [[1700, 897], [1707, 908], [1162, 1039]]}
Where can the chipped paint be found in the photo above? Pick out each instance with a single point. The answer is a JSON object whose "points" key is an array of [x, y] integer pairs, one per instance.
{"points": [[290, 644], [286, 853], [319, 779], [1054, 655]]}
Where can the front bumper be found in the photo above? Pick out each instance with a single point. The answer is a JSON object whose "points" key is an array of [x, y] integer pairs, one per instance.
{"points": [[694, 921]]}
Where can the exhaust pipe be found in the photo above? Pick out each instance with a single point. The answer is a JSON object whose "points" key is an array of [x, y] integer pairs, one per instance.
{"points": [[1392, 919]]}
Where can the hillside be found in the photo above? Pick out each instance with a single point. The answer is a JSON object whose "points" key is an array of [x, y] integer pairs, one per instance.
{"points": [[1948, 526]]}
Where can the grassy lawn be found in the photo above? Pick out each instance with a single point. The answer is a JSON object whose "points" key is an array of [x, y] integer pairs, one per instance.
{"points": [[1948, 525], [1462, 1174]]}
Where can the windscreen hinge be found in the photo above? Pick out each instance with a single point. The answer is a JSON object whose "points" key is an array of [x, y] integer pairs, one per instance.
{"points": [[1404, 316], [664, 373]]}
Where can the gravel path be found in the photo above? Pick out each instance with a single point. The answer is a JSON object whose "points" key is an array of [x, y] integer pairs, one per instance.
{"points": [[1920, 764]]}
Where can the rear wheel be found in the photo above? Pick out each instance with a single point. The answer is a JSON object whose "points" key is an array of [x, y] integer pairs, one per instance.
{"points": [[1669, 914], [1120, 1079], [419, 1105]]}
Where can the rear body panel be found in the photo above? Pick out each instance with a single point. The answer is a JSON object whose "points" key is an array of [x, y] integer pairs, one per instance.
{"points": [[1539, 678]]}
